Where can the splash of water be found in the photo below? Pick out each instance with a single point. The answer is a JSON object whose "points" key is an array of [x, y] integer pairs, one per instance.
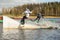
{"points": [[11, 23]]}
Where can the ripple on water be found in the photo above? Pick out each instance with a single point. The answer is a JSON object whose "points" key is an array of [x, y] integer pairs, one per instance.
{"points": [[39, 34]]}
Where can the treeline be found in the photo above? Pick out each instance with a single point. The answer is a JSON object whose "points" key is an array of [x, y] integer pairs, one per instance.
{"points": [[47, 9]]}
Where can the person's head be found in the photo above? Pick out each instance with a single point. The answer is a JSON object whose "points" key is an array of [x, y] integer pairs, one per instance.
{"points": [[39, 13]]}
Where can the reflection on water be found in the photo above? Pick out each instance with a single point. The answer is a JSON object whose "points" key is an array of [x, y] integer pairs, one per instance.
{"points": [[39, 34]]}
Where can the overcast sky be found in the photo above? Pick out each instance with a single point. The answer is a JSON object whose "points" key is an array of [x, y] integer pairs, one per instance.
{"points": [[12, 3]]}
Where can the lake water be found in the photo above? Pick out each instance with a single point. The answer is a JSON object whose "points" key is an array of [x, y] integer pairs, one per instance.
{"points": [[38, 34]]}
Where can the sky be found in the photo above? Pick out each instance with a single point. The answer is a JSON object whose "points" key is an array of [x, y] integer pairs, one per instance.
{"points": [[12, 3]]}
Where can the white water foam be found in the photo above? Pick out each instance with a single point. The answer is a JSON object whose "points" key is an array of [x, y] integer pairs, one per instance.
{"points": [[11, 23]]}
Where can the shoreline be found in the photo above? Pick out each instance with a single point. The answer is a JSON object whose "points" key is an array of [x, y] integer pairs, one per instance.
{"points": [[32, 16]]}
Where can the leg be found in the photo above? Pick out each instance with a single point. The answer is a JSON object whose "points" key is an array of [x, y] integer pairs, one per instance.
{"points": [[38, 20], [35, 19], [23, 20]]}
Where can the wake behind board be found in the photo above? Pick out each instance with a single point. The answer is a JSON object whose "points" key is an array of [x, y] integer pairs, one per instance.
{"points": [[29, 26], [42, 24], [36, 27]]}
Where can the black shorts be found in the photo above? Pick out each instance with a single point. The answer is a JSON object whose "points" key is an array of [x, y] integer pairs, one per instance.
{"points": [[24, 17], [38, 17]]}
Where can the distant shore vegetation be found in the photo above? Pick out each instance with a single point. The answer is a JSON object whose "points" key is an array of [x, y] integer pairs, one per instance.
{"points": [[46, 9]]}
